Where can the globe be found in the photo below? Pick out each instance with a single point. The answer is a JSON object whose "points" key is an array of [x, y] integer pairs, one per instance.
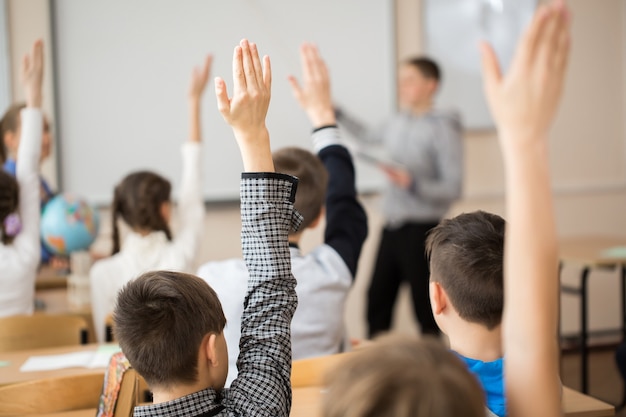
{"points": [[68, 224]]}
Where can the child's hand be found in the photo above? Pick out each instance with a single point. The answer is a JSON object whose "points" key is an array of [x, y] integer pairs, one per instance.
{"points": [[32, 75], [401, 177], [245, 112], [524, 101], [199, 79], [314, 96]]}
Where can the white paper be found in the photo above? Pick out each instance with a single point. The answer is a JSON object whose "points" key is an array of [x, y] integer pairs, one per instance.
{"points": [[89, 359]]}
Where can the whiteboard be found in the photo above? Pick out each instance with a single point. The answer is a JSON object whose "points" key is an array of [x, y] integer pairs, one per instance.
{"points": [[454, 29], [122, 70]]}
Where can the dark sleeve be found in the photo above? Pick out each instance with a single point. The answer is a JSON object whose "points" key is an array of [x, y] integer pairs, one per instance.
{"points": [[346, 221]]}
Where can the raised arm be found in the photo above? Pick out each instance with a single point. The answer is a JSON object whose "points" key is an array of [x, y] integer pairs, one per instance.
{"points": [[263, 386], [27, 241], [346, 221], [360, 130], [523, 103], [191, 209]]}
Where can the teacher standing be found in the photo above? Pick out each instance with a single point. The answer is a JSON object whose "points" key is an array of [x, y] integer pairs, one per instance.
{"points": [[426, 147]]}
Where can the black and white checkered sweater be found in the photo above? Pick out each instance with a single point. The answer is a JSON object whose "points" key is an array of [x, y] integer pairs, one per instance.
{"points": [[263, 386]]}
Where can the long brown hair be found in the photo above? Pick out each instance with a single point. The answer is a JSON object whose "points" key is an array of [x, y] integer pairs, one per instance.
{"points": [[138, 200], [10, 123], [9, 200]]}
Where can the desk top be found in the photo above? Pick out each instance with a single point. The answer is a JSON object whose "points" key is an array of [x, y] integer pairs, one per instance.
{"points": [[307, 403], [10, 374], [592, 250], [50, 278]]}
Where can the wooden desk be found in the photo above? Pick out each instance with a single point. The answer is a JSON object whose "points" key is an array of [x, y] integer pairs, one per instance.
{"points": [[307, 403], [589, 252], [56, 302], [50, 278], [11, 373]]}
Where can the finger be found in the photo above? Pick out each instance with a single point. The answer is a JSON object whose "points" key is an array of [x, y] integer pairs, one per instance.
{"points": [[248, 66], [295, 87], [561, 56], [25, 65], [546, 47], [267, 73], [492, 75], [318, 62], [206, 70], [312, 63], [239, 79], [38, 54], [527, 46], [223, 103], [304, 63], [256, 62]]}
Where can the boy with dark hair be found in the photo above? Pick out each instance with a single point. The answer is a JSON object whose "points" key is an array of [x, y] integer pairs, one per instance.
{"points": [[326, 186], [426, 145], [466, 292], [166, 320]]}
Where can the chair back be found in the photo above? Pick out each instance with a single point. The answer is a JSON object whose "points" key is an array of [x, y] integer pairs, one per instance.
{"points": [[51, 395], [41, 331]]}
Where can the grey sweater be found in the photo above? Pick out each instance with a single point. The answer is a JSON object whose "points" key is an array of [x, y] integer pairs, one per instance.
{"points": [[430, 147]]}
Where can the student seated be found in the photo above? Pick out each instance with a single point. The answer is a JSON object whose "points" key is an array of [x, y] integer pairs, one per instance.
{"points": [[325, 275], [142, 201], [170, 325], [466, 259], [425, 380], [19, 200]]}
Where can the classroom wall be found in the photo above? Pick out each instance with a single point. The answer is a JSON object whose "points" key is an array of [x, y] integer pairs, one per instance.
{"points": [[590, 195]]}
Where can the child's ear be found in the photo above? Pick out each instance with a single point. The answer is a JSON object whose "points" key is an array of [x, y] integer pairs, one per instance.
{"points": [[210, 349], [166, 211], [438, 297], [318, 219]]}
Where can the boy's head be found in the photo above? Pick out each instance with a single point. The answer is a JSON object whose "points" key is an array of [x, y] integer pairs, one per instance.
{"points": [[403, 377], [170, 327], [312, 181], [466, 256], [418, 80], [10, 132]]}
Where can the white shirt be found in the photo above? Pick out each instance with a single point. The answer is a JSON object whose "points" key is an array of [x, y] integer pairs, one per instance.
{"points": [[317, 327], [140, 254], [19, 260]]}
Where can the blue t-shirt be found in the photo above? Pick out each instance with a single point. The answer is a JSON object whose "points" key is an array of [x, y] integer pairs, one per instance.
{"points": [[10, 167], [491, 377]]}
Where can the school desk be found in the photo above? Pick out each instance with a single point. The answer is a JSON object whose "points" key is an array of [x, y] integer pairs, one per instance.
{"points": [[307, 403], [592, 252], [55, 301], [11, 362], [50, 278]]}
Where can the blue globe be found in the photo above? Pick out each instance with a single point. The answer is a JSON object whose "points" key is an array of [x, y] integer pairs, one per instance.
{"points": [[68, 224]]}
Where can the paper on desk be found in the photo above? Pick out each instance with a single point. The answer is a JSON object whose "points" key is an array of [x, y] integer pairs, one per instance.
{"points": [[89, 359], [615, 252]]}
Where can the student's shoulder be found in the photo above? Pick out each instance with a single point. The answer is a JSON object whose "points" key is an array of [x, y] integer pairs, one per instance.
{"points": [[451, 117], [220, 273], [323, 259], [107, 267]]}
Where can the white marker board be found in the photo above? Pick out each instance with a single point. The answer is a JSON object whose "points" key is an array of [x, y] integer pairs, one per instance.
{"points": [[123, 69]]}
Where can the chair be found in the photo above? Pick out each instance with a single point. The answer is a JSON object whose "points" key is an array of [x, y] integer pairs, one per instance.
{"points": [[41, 331], [310, 372], [51, 395], [123, 389], [108, 329]]}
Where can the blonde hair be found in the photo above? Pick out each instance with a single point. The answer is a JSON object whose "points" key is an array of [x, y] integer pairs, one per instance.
{"points": [[399, 376]]}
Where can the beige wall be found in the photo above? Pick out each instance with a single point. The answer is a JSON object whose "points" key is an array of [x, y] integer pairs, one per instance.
{"points": [[588, 154]]}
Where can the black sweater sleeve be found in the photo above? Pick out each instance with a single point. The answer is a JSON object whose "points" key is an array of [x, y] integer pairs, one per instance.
{"points": [[346, 221]]}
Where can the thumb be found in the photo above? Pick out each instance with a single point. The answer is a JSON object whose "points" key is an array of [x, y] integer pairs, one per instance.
{"points": [[223, 103], [492, 76], [295, 87]]}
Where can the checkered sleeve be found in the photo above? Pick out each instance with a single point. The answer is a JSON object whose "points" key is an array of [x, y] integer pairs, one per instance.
{"points": [[263, 386]]}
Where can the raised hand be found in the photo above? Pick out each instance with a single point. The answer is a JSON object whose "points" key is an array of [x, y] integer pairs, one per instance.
{"points": [[245, 112], [200, 79], [524, 101], [32, 75], [314, 95]]}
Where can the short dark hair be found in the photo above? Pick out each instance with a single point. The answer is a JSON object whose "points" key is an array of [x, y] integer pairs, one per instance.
{"points": [[402, 376], [426, 66], [160, 320], [466, 257], [312, 180], [10, 122], [9, 201], [137, 200]]}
